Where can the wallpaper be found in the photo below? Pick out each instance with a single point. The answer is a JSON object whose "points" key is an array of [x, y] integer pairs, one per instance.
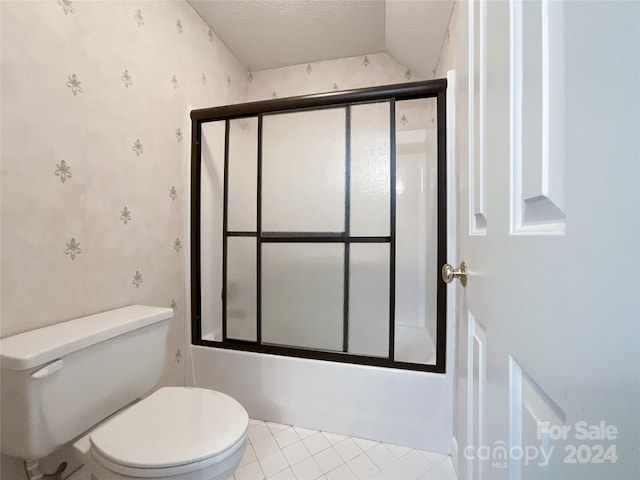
{"points": [[95, 142], [95, 150], [330, 75]]}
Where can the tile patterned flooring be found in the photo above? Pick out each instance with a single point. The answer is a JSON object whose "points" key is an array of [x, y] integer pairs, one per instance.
{"points": [[283, 452]]}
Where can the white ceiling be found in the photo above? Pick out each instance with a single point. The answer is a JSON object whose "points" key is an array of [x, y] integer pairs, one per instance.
{"points": [[415, 31], [275, 33]]}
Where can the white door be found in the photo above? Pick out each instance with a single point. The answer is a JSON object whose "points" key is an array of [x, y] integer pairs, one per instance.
{"points": [[548, 325]]}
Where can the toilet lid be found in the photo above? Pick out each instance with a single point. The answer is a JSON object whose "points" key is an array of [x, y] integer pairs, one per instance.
{"points": [[173, 426]]}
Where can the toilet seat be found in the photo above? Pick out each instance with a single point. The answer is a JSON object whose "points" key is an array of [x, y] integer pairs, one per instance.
{"points": [[174, 471], [174, 431]]}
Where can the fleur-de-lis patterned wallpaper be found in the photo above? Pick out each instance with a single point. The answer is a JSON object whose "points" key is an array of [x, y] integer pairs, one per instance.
{"points": [[330, 75], [95, 139]]}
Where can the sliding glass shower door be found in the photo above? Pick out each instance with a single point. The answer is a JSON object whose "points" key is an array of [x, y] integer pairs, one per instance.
{"points": [[319, 232]]}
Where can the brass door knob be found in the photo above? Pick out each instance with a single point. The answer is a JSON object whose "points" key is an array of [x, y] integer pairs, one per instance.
{"points": [[449, 273]]}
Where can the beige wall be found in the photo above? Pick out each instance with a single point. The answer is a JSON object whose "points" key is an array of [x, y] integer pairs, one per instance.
{"points": [[83, 83], [330, 75]]}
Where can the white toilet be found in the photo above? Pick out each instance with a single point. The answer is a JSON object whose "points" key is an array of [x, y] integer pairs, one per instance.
{"points": [[79, 381]]}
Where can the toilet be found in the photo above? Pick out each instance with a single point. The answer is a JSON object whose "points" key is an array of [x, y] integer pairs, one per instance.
{"points": [[84, 382]]}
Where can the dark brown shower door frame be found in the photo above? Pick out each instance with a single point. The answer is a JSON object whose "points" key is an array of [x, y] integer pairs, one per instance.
{"points": [[392, 93]]}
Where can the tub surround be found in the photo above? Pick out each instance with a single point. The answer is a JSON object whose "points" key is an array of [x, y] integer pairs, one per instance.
{"points": [[403, 407]]}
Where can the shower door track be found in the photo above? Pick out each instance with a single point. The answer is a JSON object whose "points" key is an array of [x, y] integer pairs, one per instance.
{"points": [[392, 93]]}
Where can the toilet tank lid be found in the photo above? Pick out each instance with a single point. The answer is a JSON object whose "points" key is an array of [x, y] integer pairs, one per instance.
{"points": [[37, 347]]}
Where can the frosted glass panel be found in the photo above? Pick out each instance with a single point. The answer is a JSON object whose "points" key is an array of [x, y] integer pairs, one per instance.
{"points": [[369, 299], [243, 167], [416, 231], [211, 197], [241, 288], [303, 171], [370, 169], [302, 295]]}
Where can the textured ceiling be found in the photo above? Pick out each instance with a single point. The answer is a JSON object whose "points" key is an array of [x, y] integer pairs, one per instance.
{"points": [[274, 33], [415, 31]]}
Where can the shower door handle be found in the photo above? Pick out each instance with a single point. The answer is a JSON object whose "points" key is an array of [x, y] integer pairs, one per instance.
{"points": [[449, 273]]}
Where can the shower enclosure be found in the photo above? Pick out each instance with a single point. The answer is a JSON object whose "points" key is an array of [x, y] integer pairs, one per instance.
{"points": [[318, 226]]}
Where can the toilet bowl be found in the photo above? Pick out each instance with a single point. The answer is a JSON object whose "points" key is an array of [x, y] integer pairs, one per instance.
{"points": [[177, 433]]}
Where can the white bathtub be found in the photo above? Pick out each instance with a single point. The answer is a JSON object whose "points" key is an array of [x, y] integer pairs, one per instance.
{"points": [[397, 406]]}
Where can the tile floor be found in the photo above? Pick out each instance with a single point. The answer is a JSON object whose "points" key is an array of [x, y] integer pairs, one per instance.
{"points": [[283, 452]]}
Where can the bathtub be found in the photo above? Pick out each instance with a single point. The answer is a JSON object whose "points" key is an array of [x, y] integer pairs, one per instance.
{"points": [[403, 407]]}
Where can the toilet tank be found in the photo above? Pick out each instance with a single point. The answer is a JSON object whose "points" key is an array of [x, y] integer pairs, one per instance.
{"points": [[59, 381]]}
